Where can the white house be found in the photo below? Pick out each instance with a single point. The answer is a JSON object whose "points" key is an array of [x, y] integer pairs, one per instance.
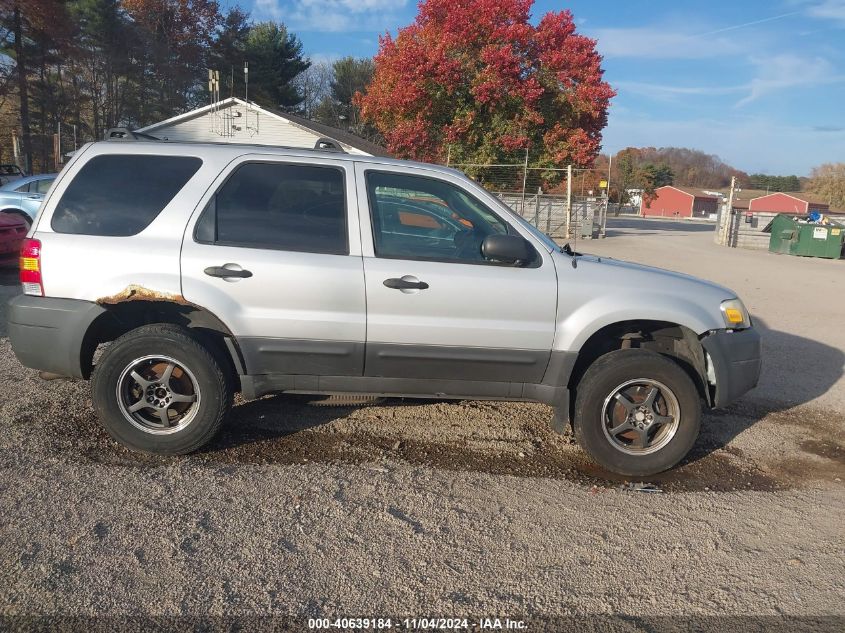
{"points": [[234, 120]]}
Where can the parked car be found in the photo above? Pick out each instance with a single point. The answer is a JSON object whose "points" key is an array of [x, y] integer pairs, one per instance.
{"points": [[9, 173], [215, 268], [12, 233], [23, 196]]}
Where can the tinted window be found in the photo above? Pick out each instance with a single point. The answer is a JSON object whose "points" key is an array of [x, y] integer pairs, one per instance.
{"points": [[23, 188], [279, 206], [121, 195], [424, 218], [42, 186]]}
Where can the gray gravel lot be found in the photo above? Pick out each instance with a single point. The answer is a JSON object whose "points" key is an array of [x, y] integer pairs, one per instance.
{"points": [[430, 508]]}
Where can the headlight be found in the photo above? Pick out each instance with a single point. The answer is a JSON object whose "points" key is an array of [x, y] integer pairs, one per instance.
{"points": [[735, 315]]}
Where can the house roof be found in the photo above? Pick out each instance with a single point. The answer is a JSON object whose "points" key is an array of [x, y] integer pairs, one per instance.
{"points": [[692, 191], [336, 133], [320, 129], [804, 197]]}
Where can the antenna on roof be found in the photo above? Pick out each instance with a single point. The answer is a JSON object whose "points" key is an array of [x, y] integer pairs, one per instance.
{"points": [[214, 92]]}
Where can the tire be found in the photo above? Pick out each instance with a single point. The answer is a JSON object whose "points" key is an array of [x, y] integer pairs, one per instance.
{"points": [[195, 396], [626, 434]]}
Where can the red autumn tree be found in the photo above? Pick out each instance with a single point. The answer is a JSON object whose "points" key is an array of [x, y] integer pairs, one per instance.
{"points": [[475, 79]]}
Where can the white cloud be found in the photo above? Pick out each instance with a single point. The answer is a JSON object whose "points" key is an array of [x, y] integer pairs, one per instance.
{"points": [[784, 71], [332, 15], [772, 75], [663, 42], [670, 92], [691, 39], [828, 10]]}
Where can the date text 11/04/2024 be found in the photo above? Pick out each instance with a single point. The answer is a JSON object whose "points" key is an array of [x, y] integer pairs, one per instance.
{"points": [[502, 624]]}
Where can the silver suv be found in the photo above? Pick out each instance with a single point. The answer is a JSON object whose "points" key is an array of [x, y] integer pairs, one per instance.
{"points": [[212, 268]]}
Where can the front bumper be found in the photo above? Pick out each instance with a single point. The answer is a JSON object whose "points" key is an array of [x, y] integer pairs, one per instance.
{"points": [[736, 358]]}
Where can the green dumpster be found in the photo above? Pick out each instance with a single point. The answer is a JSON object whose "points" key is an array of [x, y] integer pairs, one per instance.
{"points": [[784, 229], [796, 236]]}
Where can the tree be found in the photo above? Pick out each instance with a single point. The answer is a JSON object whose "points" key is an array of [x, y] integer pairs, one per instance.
{"points": [[102, 71], [774, 183], [478, 80], [275, 59], [172, 57], [25, 26], [828, 182], [351, 77], [228, 51], [315, 84], [690, 167], [649, 177], [627, 175], [95, 64], [348, 78]]}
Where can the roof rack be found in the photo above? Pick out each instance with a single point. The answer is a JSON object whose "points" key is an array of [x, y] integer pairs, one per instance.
{"points": [[327, 144], [125, 134]]}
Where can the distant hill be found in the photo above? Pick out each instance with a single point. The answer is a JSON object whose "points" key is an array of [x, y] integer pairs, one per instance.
{"points": [[691, 167]]}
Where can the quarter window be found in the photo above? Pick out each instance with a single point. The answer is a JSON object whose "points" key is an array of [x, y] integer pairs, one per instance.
{"points": [[120, 195], [42, 186], [279, 206], [424, 218]]}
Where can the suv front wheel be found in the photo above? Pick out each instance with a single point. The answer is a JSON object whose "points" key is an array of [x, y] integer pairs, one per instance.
{"points": [[637, 413], [158, 390]]}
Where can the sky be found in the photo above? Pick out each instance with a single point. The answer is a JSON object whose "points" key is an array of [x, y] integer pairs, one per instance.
{"points": [[759, 83]]}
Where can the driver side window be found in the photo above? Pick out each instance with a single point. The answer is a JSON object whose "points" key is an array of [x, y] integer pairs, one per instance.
{"points": [[279, 206], [416, 217]]}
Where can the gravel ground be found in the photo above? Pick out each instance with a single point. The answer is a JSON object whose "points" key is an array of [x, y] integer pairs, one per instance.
{"points": [[475, 509]]}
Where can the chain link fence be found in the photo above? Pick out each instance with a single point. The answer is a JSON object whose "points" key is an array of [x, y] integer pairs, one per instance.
{"points": [[565, 203]]}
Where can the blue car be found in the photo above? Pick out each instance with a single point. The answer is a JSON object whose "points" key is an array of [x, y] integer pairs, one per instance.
{"points": [[23, 196]]}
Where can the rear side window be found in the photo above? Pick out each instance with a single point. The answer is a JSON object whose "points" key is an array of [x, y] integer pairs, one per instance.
{"points": [[42, 186], [115, 195], [279, 206]]}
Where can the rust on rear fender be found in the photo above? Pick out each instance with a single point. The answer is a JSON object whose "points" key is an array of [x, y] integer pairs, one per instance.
{"points": [[134, 292]]}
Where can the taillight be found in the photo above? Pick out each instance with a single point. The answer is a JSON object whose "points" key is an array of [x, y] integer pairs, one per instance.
{"points": [[30, 268]]}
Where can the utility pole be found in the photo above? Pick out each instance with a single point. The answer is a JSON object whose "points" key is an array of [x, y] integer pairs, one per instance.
{"points": [[58, 146], [603, 230], [568, 199], [246, 82], [727, 213], [524, 181]]}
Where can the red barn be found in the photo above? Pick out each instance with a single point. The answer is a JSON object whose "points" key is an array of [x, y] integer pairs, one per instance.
{"points": [[680, 202], [797, 203]]}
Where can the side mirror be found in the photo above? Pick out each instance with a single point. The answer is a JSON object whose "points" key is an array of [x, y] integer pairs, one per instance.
{"points": [[509, 249]]}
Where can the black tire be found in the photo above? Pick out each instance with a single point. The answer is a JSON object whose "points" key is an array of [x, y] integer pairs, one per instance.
{"points": [[593, 426], [198, 371]]}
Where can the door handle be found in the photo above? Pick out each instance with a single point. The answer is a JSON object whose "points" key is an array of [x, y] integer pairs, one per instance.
{"points": [[405, 283], [34, 197], [227, 271]]}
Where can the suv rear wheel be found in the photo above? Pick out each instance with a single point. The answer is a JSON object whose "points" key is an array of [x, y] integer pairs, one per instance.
{"points": [[158, 390], [637, 413]]}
